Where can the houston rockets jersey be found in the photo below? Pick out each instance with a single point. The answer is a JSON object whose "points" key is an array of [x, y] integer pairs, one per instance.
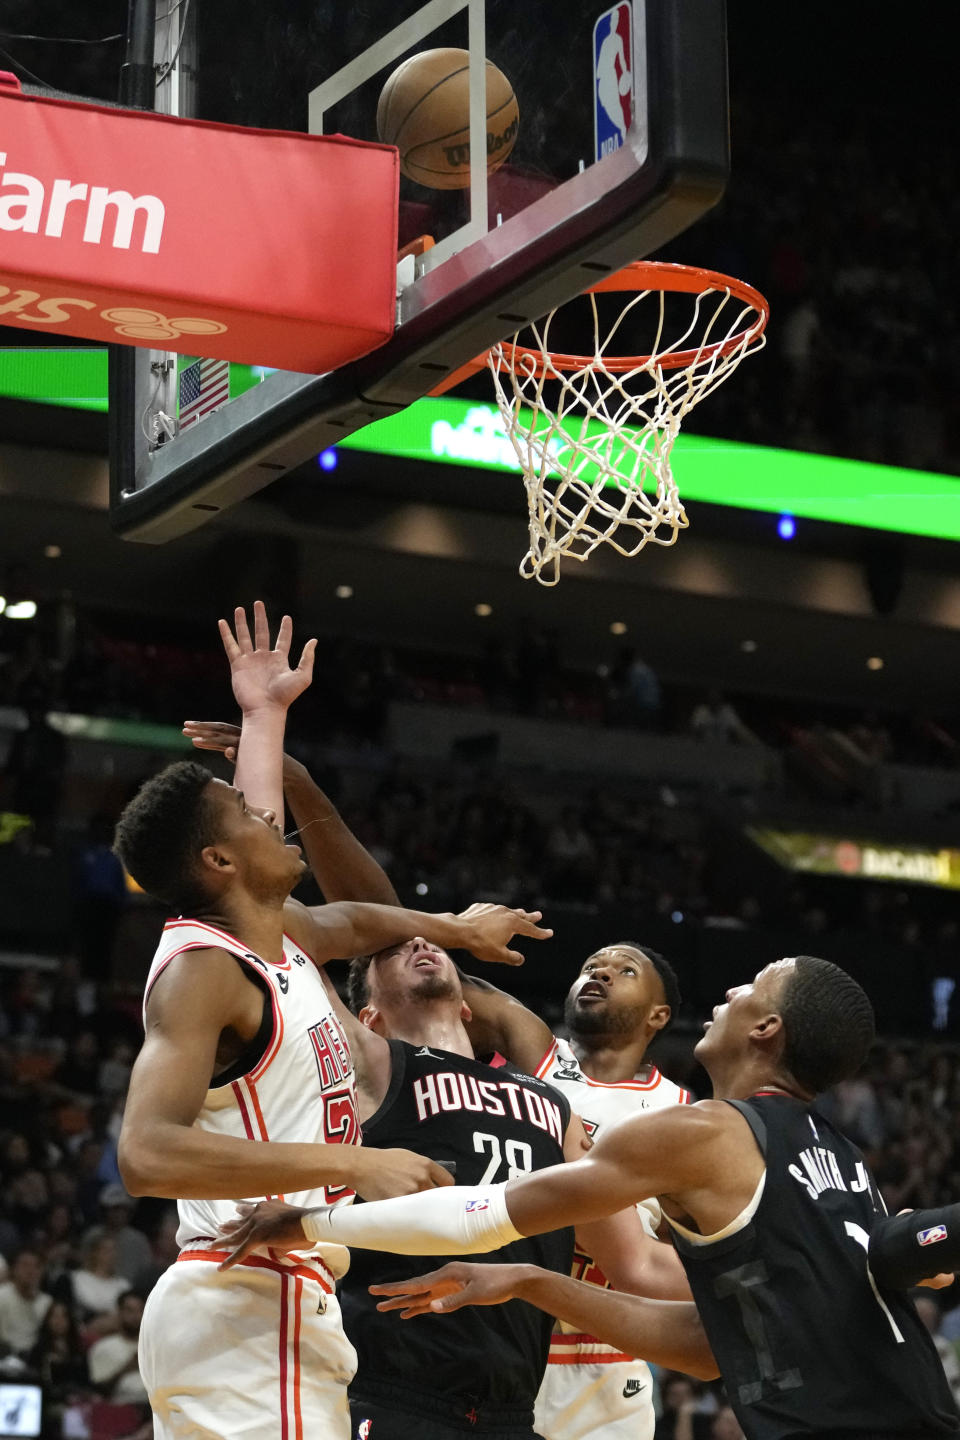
{"points": [[298, 1085]]}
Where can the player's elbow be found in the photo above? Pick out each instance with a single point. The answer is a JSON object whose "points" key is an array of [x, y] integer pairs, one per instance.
{"points": [[140, 1164]]}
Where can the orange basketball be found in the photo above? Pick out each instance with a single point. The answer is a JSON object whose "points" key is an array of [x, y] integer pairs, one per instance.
{"points": [[424, 110]]}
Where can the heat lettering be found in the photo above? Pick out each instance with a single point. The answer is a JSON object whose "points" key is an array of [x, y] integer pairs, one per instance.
{"points": [[330, 1049]]}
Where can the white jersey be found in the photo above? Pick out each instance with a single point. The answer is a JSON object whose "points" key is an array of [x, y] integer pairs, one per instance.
{"points": [[298, 1085], [591, 1388]]}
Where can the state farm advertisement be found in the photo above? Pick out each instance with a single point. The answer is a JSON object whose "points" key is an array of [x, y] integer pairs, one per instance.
{"points": [[258, 246]]}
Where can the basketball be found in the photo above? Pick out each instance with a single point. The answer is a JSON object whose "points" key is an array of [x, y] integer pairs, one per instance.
{"points": [[424, 110]]}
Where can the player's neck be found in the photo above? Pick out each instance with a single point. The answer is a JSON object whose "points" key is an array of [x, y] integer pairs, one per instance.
{"points": [[259, 924], [744, 1081], [612, 1059], [436, 1029]]}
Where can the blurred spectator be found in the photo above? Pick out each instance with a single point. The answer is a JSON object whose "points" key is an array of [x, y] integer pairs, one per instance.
{"points": [[572, 858], [682, 1414], [163, 1251], [101, 899], [634, 696], [114, 1368], [97, 1286], [715, 720], [928, 1309], [58, 1359], [133, 1253], [23, 1304], [35, 772], [79, 1070]]}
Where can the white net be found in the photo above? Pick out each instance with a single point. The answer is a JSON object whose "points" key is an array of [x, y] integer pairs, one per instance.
{"points": [[594, 434]]}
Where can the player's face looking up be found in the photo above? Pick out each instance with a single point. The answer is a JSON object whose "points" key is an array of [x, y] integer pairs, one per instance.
{"points": [[618, 991], [750, 1012], [249, 844], [411, 973]]}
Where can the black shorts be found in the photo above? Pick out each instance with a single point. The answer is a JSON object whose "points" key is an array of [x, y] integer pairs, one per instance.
{"points": [[381, 1419]]}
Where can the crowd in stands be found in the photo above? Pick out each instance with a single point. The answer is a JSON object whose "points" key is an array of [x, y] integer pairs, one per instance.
{"points": [[848, 253], [114, 670]]}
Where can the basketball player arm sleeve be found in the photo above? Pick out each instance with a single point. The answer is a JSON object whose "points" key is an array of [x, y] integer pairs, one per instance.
{"points": [[905, 1249], [459, 1220]]}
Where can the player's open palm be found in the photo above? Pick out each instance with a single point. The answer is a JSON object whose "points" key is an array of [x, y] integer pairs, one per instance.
{"points": [[261, 676], [490, 928], [449, 1288]]}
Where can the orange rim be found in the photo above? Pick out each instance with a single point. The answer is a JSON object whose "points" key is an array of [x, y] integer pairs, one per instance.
{"points": [[640, 276]]}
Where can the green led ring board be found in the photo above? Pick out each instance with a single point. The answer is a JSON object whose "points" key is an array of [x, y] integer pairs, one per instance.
{"points": [[587, 188]]}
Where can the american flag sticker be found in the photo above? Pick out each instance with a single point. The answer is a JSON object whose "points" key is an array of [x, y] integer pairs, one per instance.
{"points": [[204, 387], [931, 1236]]}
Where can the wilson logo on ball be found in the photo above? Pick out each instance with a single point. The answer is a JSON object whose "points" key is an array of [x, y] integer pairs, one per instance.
{"points": [[424, 110]]}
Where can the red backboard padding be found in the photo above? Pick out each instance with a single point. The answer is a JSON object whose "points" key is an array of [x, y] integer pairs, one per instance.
{"points": [[259, 246]]}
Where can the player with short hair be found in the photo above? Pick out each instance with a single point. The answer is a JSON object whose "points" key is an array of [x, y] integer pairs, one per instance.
{"points": [[244, 1084], [433, 1095], [624, 997], [795, 1269], [420, 1085]]}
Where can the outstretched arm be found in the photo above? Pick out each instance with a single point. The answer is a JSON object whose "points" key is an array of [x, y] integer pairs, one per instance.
{"points": [[340, 931], [264, 687], [702, 1151], [341, 866], [667, 1332]]}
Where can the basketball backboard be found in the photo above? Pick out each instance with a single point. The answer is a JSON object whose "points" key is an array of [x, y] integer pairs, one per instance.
{"points": [[622, 144]]}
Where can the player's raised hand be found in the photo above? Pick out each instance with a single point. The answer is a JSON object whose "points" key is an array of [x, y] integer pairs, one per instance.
{"points": [[488, 930], [449, 1288], [261, 676]]}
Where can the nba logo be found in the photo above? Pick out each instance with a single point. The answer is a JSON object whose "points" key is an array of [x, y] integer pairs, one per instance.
{"points": [[363, 1429], [613, 78], [931, 1236]]}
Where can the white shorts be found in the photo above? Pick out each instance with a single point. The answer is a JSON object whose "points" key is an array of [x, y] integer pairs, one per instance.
{"points": [[589, 1390], [253, 1353]]}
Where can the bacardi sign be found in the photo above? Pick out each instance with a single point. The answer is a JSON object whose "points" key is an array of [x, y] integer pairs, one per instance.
{"points": [[262, 247]]}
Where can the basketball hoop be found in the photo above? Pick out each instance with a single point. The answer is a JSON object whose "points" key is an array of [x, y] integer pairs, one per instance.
{"points": [[594, 433]]}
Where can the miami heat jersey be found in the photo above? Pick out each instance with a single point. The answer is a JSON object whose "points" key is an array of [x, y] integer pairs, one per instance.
{"points": [[299, 1085], [591, 1387]]}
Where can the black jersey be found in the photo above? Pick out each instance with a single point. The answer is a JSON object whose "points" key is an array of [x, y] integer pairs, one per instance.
{"points": [[806, 1341], [493, 1123]]}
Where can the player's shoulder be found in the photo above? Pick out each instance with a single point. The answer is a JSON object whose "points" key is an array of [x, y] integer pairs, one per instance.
{"points": [[191, 978], [298, 926], [560, 1065]]}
